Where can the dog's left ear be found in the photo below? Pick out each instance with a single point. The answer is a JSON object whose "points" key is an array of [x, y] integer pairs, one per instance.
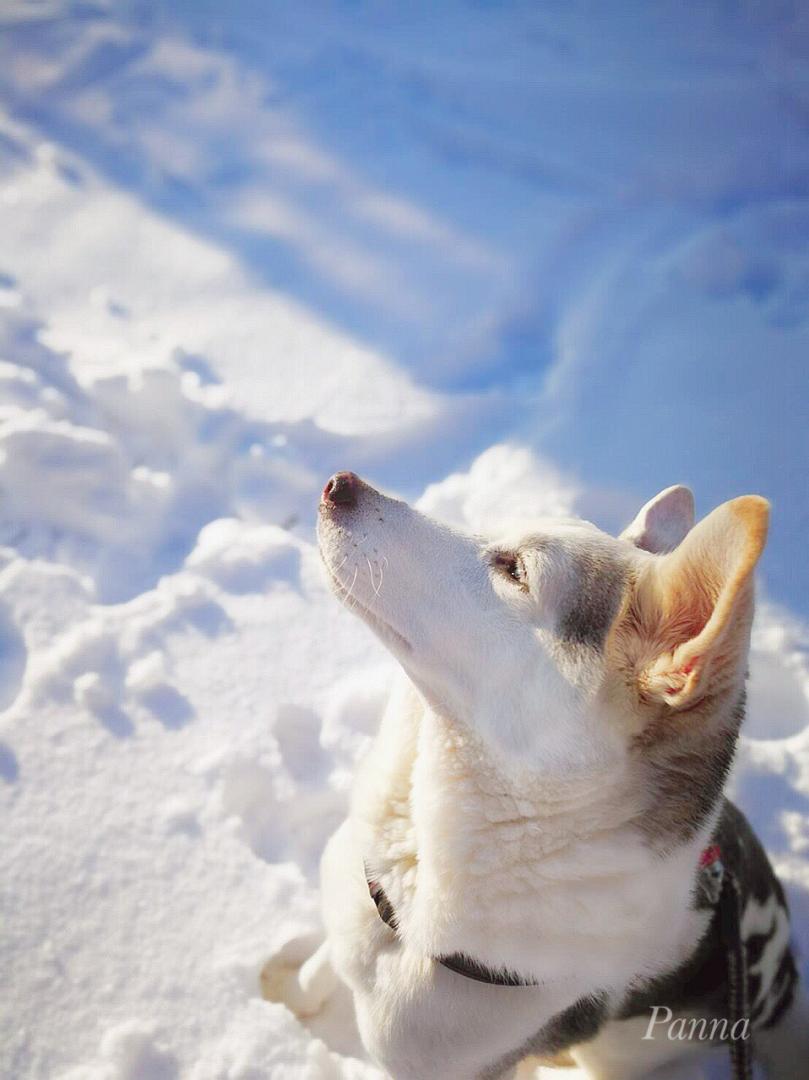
{"points": [[663, 522], [698, 604]]}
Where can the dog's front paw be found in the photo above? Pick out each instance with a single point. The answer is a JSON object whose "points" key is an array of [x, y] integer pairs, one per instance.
{"points": [[303, 987], [281, 982]]}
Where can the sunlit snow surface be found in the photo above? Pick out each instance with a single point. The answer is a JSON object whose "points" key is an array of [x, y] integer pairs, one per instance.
{"points": [[502, 259]]}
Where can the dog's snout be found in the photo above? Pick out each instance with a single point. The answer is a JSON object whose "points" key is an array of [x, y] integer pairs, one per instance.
{"points": [[341, 489]]}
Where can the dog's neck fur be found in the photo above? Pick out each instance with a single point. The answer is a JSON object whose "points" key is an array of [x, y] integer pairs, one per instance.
{"points": [[454, 839]]}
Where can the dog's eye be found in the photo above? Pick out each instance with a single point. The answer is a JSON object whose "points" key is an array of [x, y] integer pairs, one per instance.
{"points": [[511, 565]]}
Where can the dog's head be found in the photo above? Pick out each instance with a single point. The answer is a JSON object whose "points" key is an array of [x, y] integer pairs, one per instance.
{"points": [[563, 646]]}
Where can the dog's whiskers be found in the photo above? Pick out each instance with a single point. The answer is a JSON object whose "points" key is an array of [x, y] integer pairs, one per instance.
{"points": [[349, 600], [374, 585]]}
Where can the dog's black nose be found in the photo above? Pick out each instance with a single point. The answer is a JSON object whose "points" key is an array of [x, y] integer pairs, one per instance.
{"points": [[341, 490]]}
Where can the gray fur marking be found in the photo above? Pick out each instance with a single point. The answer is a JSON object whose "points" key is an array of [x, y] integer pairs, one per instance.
{"points": [[576, 1024], [600, 580], [684, 768]]}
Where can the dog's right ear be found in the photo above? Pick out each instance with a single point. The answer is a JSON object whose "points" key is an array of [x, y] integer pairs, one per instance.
{"points": [[696, 605], [663, 523]]}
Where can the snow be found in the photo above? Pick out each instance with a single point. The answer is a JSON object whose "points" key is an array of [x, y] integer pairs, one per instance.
{"points": [[503, 260]]}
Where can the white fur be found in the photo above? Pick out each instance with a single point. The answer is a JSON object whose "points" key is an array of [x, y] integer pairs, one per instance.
{"points": [[663, 522], [548, 885], [495, 806]]}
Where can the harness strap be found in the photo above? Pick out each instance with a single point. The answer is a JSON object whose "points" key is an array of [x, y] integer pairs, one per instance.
{"points": [[730, 925], [722, 889], [457, 962], [472, 969]]}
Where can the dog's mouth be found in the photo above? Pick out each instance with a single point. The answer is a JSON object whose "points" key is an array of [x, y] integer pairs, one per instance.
{"points": [[345, 593]]}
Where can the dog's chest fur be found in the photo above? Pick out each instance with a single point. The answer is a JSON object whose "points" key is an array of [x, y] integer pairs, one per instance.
{"points": [[543, 879], [530, 877], [553, 882]]}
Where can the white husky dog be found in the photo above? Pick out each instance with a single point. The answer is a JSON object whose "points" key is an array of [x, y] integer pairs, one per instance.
{"points": [[538, 845]]}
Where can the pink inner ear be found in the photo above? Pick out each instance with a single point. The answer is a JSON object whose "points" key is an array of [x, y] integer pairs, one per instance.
{"points": [[686, 669]]}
